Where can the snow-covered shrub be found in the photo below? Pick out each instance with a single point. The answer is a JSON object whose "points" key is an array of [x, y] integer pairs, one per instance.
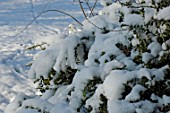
{"points": [[118, 63]]}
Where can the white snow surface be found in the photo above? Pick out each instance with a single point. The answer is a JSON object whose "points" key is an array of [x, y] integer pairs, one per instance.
{"points": [[14, 55], [134, 94], [134, 19], [164, 13]]}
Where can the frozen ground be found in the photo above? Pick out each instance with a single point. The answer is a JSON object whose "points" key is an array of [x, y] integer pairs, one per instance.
{"points": [[14, 55]]}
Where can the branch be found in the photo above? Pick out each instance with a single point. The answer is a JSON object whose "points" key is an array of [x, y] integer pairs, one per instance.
{"points": [[28, 24], [43, 13], [91, 13], [82, 9], [55, 10], [94, 24], [87, 18], [33, 15], [93, 7]]}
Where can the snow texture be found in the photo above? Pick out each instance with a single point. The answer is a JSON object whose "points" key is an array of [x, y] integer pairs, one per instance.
{"points": [[164, 13], [135, 93], [134, 20]]}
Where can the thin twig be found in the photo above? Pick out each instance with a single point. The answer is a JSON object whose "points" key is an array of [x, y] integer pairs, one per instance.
{"points": [[43, 13], [65, 14], [93, 7], [91, 13], [93, 24], [33, 15], [82, 9], [32, 5], [87, 18], [28, 24]]}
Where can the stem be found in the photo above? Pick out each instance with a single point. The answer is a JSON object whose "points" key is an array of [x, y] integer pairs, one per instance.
{"points": [[93, 7], [47, 12], [87, 18], [82, 9], [91, 13], [55, 10]]}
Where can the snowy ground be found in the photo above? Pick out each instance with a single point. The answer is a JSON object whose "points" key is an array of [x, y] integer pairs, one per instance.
{"points": [[14, 55]]}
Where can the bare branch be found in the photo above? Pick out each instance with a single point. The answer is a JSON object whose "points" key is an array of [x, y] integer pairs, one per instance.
{"points": [[65, 14], [87, 18], [93, 7], [82, 9], [28, 24], [91, 13], [36, 17], [94, 24], [33, 15]]}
